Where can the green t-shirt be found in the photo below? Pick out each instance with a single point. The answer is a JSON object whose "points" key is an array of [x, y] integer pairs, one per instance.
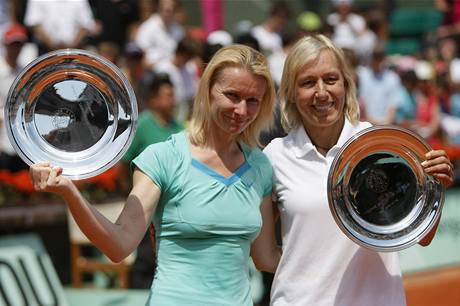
{"points": [[149, 131], [204, 224]]}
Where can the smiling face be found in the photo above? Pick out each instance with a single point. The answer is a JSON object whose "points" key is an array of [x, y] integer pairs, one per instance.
{"points": [[320, 93], [236, 97]]}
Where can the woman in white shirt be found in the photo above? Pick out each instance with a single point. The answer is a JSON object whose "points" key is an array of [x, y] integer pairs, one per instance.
{"points": [[319, 264]]}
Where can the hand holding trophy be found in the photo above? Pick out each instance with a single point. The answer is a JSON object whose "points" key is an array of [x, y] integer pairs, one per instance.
{"points": [[379, 193]]}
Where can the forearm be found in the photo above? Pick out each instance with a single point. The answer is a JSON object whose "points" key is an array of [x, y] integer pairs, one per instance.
{"points": [[43, 37], [268, 260], [426, 240], [265, 251], [79, 37], [104, 234]]}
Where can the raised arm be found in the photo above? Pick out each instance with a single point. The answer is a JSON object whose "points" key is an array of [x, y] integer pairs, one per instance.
{"points": [[265, 251], [116, 240]]}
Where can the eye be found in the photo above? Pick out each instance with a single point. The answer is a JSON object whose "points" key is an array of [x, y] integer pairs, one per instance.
{"points": [[331, 80], [253, 102], [307, 83], [232, 96]]}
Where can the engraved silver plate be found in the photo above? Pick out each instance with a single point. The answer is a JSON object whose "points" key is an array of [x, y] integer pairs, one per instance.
{"points": [[74, 109], [378, 192]]}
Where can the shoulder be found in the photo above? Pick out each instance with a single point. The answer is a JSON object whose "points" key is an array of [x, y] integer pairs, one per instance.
{"points": [[256, 157], [168, 147], [278, 144], [391, 75], [145, 119], [361, 125], [152, 21]]}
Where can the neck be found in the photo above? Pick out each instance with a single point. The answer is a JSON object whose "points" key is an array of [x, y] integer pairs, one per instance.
{"points": [[11, 61], [163, 119], [325, 138], [270, 26], [222, 143]]}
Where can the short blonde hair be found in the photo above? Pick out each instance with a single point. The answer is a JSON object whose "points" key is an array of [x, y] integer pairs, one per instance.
{"points": [[306, 51], [233, 56]]}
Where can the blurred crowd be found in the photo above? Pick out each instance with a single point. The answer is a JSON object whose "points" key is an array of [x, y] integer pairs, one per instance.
{"points": [[151, 40]]}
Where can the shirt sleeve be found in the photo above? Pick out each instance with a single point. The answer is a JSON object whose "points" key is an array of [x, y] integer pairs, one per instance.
{"points": [[153, 161], [34, 14], [267, 174]]}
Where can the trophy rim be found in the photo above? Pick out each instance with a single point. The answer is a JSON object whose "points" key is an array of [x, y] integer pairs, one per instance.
{"points": [[430, 206], [17, 135]]}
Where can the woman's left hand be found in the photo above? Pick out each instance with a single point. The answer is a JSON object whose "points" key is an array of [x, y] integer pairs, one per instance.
{"points": [[438, 165]]}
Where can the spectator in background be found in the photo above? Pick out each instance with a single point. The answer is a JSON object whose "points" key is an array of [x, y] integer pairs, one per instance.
{"points": [[110, 51], [428, 114], [133, 67], [407, 109], [268, 34], [157, 122], [7, 14], [450, 26], [183, 75], [115, 18], [450, 121], [447, 52], [349, 30], [277, 58], [59, 24], [13, 40], [159, 34], [379, 90], [248, 39]]}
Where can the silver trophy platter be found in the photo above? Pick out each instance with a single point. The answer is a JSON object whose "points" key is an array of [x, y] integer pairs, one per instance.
{"points": [[378, 192], [74, 109]]}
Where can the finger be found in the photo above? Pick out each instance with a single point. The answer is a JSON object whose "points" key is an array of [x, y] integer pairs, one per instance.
{"points": [[43, 177], [435, 153], [42, 164], [440, 160], [55, 176], [35, 172], [52, 177], [445, 179], [440, 168]]}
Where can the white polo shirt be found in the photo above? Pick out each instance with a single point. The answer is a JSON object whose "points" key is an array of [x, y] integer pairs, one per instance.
{"points": [[61, 20], [321, 266]]}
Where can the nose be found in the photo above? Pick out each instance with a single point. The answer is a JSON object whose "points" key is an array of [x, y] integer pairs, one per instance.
{"points": [[321, 92], [241, 108]]}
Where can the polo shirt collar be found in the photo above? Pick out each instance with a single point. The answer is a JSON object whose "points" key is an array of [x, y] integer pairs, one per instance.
{"points": [[302, 144]]}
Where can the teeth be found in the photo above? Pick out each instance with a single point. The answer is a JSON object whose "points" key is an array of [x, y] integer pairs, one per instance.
{"points": [[323, 107]]}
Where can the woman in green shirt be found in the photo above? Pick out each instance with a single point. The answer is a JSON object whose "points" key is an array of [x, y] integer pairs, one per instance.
{"points": [[204, 190]]}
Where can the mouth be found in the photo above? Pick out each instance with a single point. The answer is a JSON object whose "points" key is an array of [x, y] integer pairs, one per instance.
{"points": [[237, 123], [323, 108]]}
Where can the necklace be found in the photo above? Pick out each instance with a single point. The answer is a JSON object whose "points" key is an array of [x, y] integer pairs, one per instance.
{"points": [[323, 148]]}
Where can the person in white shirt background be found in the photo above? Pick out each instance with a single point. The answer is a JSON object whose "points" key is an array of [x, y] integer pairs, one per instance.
{"points": [[59, 24], [268, 34], [159, 34], [183, 74]]}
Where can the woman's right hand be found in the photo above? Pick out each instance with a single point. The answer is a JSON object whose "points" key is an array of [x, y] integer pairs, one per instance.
{"points": [[49, 179]]}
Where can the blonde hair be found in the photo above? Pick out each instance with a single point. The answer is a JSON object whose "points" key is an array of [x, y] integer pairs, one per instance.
{"points": [[233, 56], [306, 51]]}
